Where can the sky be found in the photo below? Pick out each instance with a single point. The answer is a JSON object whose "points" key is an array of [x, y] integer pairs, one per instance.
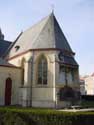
{"points": [[76, 18]]}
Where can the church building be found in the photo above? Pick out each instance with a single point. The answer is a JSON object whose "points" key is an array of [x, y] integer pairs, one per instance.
{"points": [[38, 69]]}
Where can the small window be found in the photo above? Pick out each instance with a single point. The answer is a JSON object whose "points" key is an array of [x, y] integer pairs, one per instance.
{"points": [[17, 48]]}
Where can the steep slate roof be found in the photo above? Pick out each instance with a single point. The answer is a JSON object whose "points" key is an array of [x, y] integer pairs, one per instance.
{"points": [[11, 45], [70, 60], [4, 46], [43, 35], [6, 64]]}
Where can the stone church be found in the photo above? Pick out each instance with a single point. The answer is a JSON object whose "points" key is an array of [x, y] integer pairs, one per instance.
{"points": [[38, 69]]}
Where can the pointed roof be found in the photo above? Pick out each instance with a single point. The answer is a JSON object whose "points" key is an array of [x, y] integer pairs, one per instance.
{"points": [[4, 46], [44, 35], [1, 35]]}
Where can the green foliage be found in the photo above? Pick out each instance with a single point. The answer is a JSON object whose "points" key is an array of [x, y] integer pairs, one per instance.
{"points": [[31, 116], [87, 103]]}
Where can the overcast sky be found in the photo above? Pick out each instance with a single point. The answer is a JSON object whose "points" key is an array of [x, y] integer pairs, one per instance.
{"points": [[76, 18]]}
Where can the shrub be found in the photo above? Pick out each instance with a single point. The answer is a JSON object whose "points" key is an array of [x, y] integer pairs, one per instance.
{"points": [[28, 116]]}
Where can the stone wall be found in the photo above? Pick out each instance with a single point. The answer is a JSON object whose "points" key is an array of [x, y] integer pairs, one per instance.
{"points": [[15, 75]]}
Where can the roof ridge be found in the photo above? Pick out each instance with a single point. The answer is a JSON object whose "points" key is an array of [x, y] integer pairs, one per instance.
{"points": [[42, 27], [53, 26], [37, 23]]}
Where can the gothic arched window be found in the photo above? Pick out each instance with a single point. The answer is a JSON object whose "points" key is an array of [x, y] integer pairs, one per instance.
{"points": [[42, 71]]}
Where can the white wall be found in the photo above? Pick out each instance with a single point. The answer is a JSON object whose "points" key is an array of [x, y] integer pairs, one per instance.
{"points": [[89, 85], [46, 94], [15, 75], [39, 93]]}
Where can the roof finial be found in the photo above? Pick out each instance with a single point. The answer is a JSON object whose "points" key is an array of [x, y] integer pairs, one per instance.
{"points": [[1, 35], [52, 8], [0, 30]]}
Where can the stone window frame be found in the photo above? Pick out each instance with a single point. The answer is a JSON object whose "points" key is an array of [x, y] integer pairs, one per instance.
{"points": [[42, 69]]}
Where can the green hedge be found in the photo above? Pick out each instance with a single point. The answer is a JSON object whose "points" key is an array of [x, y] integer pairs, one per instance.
{"points": [[88, 104], [17, 116]]}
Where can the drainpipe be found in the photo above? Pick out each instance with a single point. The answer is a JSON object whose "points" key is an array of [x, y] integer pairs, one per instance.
{"points": [[32, 68]]}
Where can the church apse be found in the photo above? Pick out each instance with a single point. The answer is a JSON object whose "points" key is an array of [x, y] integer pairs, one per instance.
{"points": [[49, 72]]}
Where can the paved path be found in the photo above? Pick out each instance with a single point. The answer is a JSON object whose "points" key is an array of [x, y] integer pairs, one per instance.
{"points": [[77, 110]]}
